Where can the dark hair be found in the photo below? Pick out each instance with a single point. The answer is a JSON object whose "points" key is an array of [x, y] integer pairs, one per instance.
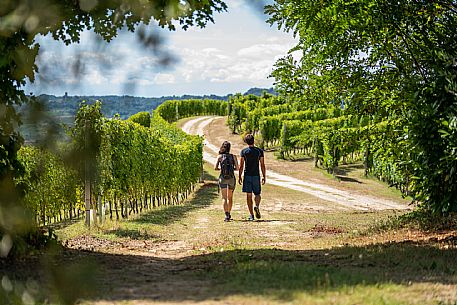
{"points": [[225, 148], [249, 139]]}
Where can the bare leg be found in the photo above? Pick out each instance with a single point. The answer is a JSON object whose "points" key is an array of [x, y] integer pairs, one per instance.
{"points": [[249, 202], [224, 200], [230, 200], [257, 200]]}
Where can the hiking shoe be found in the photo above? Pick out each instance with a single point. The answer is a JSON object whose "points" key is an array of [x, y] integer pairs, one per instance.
{"points": [[257, 212], [251, 218]]}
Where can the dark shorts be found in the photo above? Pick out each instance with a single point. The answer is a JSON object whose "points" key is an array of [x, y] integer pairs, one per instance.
{"points": [[227, 183], [251, 184]]}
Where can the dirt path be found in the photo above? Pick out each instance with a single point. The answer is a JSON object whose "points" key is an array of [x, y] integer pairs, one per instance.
{"points": [[341, 199]]}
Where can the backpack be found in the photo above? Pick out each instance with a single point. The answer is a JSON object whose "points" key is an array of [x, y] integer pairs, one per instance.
{"points": [[227, 166]]}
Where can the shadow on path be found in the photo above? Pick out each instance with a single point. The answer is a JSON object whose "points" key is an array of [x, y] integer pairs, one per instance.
{"points": [[132, 234], [166, 215], [347, 179], [274, 273]]}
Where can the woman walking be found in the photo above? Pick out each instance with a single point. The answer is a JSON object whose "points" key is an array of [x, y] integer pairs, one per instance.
{"points": [[227, 163]]}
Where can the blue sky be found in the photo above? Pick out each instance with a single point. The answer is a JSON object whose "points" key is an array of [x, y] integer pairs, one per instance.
{"points": [[235, 53]]}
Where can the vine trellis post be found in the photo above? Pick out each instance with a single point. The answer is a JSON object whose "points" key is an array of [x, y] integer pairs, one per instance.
{"points": [[87, 186]]}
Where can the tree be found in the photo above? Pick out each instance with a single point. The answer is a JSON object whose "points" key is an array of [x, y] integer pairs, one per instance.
{"points": [[385, 58], [22, 20]]}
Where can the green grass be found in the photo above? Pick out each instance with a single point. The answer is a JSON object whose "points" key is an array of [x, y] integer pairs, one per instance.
{"points": [[358, 274]]}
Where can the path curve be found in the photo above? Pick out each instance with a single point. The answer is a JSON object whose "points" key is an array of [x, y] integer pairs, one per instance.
{"points": [[342, 199]]}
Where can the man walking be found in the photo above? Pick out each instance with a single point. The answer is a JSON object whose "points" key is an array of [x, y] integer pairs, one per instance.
{"points": [[251, 157]]}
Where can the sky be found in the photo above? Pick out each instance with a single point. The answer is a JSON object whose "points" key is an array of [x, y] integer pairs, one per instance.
{"points": [[234, 54]]}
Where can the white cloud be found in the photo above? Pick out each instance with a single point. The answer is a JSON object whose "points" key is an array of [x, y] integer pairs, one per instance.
{"points": [[95, 77], [272, 39], [263, 50], [234, 4], [164, 78], [252, 63], [210, 51]]}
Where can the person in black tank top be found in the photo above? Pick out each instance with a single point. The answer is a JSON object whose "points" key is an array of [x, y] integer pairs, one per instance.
{"points": [[251, 158], [226, 184]]}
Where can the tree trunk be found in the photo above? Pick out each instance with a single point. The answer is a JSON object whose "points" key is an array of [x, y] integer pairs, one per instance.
{"points": [[115, 207]]}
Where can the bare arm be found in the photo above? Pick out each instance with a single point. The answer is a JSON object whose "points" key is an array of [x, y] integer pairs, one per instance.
{"points": [[216, 167], [236, 163], [240, 170], [262, 168]]}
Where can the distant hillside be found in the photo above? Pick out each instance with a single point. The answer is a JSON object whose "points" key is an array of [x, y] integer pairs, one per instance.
{"points": [[66, 106], [62, 109], [260, 91]]}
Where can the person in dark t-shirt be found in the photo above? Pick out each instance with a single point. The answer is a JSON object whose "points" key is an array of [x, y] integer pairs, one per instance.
{"points": [[251, 158]]}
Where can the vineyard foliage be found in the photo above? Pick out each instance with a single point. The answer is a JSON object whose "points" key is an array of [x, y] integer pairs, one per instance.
{"points": [[52, 190], [131, 165], [143, 118], [173, 110], [332, 135]]}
